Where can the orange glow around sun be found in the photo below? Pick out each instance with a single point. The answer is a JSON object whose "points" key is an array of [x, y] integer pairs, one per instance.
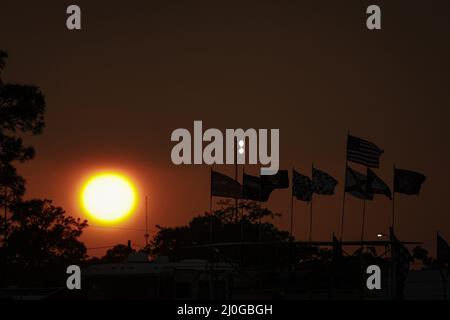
{"points": [[108, 197]]}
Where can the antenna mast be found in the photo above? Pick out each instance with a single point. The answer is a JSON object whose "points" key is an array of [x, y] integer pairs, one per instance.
{"points": [[146, 235]]}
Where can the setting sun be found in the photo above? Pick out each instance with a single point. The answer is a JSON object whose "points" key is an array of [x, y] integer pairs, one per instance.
{"points": [[108, 197]]}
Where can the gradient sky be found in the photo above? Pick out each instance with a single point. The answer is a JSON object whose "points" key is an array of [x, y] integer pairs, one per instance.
{"points": [[136, 71]]}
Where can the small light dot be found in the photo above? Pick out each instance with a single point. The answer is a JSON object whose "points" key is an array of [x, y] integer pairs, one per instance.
{"points": [[241, 143], [241, 151]]}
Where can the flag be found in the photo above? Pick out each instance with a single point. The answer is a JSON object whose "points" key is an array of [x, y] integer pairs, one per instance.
{"points": [[402, 254], [407, 182], [363, 152], [323, 182], [443, 251], [253, 189], [376, 185], [337, 249], [224, 186], [280, 180], [356, 184], [302, 187], [402, 259]]}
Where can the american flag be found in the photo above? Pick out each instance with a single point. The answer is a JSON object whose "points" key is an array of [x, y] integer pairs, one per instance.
{"points": [[363, 152]]}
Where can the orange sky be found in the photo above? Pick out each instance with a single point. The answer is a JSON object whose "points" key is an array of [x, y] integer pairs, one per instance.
{"points": [[134, 73]]}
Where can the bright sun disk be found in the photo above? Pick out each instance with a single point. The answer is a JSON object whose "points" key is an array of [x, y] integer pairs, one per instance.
{"points": [[108, 197]]}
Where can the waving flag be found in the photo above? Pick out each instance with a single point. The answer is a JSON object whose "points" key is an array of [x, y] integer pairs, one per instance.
{"points": [[224, 186], [402, 259], [280, 180], [363, 152], [251, 187], [302, 187], [323, 183], [356, 184], [376, 185], [407, 182]]}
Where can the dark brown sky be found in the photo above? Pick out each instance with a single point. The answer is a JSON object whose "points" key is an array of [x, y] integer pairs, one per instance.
{"points": [[116, 89]]}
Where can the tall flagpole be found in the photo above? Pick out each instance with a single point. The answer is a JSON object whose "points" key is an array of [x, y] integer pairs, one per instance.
{"points": [[311, 211], [363, 222], [345, 183], [146, 221], [393, 202], [5, 204], [210, 208], [292, 201], [242, 211], [236, 178]]}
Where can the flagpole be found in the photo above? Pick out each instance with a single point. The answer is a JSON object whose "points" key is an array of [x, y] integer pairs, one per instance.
{"points": [[363, 222], [236, 178], [242, 212], [210, 208], [345, 183], [292, 201], [311, 211], [146, 236], [442, 272], [393, 202], [393, 266]]}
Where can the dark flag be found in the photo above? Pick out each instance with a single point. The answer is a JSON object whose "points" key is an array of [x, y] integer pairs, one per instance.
{"points": [[337, 249], [443, 251], [302, 187], [323, 183], [356, 184], [407, 182], [363, 152], [376, 185], [253, 189], [280, 180], [402, 259], [224, 186]]}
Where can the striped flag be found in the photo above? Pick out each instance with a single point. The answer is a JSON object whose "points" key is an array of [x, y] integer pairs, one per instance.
{"points": [[363, 152]]}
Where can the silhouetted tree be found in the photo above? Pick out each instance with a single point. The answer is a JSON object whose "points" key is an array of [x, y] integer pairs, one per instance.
{"points": [[22, 110], [42, 235], [37, 237], [222, 227]]}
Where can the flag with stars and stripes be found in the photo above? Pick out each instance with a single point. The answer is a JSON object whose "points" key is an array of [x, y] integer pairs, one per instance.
{"points": [[363, 152]]}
